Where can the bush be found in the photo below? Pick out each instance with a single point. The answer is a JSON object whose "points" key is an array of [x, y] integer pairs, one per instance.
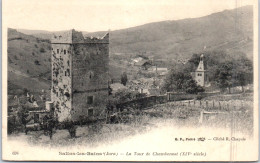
{"points": [[69, 125]]}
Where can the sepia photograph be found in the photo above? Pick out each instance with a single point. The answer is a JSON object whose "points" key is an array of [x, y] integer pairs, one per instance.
{"points": [[133, 80]]}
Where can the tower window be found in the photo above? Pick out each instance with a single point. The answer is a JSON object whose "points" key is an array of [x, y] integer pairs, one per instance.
{"points": [[58, 50], [90, 99], [64, 51], [91, 74], [68, 70]]}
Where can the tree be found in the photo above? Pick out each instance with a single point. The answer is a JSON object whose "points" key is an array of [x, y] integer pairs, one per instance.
{"points": [[223, 76], [234, 73], [70, 126], [191, 87], [23, 116], [122, 96], [180, 81], [124, 78]]}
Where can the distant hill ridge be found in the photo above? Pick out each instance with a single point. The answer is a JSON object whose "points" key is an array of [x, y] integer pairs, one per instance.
{"points": [[230, 30]]}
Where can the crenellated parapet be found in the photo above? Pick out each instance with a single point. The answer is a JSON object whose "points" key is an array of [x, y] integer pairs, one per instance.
{"points": [[75, 37]]}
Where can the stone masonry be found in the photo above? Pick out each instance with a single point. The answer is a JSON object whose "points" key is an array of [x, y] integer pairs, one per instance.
{"points": [[79, 75]]}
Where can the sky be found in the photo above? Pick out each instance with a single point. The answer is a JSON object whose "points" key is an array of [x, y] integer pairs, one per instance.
{"points": [[103, 15]]}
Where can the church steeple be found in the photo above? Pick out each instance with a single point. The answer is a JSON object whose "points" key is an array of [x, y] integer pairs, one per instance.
{"points": [[200, 73], [201, 64]]}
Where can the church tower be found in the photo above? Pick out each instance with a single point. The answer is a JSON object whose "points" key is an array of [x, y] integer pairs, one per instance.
{"points": [[200, 73]]}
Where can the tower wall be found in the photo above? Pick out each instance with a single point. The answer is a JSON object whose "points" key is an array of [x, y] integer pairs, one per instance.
{"points": [[79, 75], [90, 78], [61, 79], [200, 78]]}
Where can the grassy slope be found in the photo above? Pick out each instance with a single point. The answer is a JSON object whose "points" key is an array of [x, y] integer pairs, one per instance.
{"points": [[23, 51]]}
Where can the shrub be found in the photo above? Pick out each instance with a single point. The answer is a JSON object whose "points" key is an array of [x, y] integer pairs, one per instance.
{"points": [[69, 125]]}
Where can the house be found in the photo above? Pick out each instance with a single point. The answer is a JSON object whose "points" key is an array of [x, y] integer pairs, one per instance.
{"points": [[161, 71], [150, 92], [136, 60], [117, 86], [143, 65]]}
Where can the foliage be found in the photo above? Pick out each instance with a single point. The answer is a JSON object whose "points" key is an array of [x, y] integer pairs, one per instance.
{"points": [[180, 81], [122, 96], [69, 125], [23, 114], [236, 73]]}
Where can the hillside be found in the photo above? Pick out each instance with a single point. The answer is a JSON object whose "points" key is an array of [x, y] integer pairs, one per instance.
{"points": [[230, 30], [28, 61]]}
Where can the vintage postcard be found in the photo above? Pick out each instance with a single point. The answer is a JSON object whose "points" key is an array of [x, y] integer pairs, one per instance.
{"points": [[121, 80]]}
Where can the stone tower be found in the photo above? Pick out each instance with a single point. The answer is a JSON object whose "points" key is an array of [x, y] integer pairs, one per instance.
{"points": [[200, 73], [79, 75]]}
